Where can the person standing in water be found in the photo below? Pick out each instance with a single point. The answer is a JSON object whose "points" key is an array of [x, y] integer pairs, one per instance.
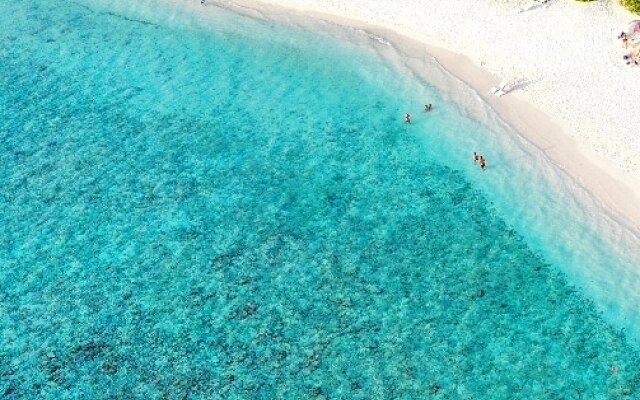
{"points": [[483, 162], [407, 118], [427, 107]]}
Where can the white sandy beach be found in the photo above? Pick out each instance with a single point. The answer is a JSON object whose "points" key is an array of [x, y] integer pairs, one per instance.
{"points": [[577, 98]]}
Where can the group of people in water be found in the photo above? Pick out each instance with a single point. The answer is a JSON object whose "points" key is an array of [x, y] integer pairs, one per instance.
{"points": [[407, 117], [477, 158], [480, 160]]}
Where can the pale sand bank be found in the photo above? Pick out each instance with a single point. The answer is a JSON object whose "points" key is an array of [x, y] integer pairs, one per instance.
{"points": [[577, 103]]}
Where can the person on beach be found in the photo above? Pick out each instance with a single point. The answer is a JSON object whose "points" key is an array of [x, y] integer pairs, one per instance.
{"points": [[202, 2], [625, 39], [427, 107], [407, 118], [633, 56]]}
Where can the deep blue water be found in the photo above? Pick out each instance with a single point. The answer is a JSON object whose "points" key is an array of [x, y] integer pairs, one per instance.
{"points": [[226, 208]]}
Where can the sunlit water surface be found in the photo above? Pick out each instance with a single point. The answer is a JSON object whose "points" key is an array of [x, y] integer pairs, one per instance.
{"points": [[199, 205]]}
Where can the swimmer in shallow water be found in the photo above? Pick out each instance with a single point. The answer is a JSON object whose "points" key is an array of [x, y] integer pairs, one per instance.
{"points": [[427, 107], [407, 118], [483, 162]]}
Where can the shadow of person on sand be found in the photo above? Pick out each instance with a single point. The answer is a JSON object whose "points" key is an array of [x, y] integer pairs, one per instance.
{"points": [[522, 83], [508, 86]]}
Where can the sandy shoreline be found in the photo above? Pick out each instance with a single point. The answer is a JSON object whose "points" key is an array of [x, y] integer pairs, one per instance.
{"points": [[613, 181]]}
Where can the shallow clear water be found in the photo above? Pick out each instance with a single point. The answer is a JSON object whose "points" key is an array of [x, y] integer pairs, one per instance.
{"points": [[208, 206]]}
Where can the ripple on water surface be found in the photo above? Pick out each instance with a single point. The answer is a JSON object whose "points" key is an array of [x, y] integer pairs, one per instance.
{"points": [[194, 213]]}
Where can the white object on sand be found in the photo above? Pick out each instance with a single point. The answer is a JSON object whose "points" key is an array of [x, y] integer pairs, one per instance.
{"points": [[504, 90], [532, 4], [500, 86]]}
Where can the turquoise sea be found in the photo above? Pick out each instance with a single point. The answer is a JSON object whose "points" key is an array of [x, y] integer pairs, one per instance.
{"points": [[198, 204]]}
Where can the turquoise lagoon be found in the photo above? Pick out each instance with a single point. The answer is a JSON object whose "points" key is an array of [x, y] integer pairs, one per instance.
{"points": [[202, 205]]}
